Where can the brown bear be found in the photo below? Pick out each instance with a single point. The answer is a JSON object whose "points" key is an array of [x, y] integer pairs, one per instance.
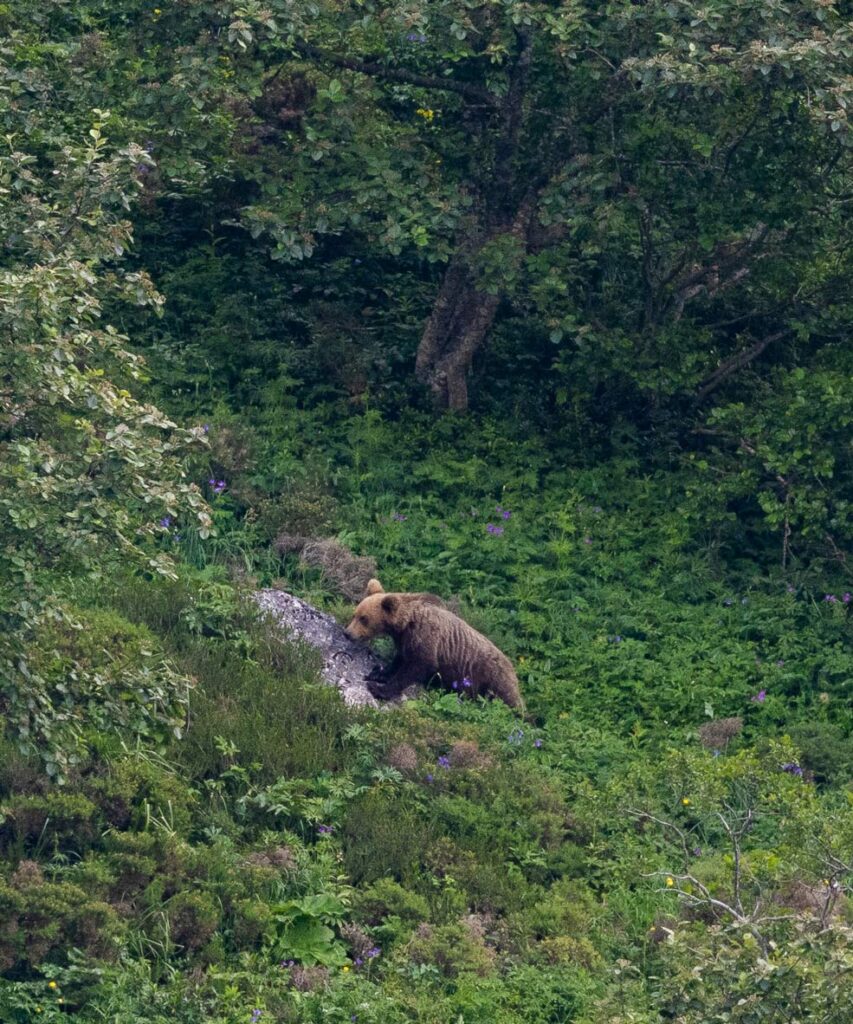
{"points": [[432, 642]]}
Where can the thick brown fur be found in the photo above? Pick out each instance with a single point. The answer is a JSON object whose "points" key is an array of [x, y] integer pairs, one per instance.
{"points": [[433, 645]]}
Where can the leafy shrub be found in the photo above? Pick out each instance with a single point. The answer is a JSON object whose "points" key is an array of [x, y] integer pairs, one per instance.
{"points": [[99, 673], [305, 509], [43, 919], [452, 948], [134, 790], [826, 750], [732, 978], [57, 820], [192, 918], [84, 467], [252, 921], [387, 898], [303, 930]]}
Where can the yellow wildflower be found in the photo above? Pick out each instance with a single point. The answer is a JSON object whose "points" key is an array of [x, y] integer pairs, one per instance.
{"points": [[345, 968], [686, 801], [51, 984], [425, 113], [670, 881]]}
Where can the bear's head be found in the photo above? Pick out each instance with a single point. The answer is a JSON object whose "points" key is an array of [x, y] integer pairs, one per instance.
{"points": [[379, 614]]}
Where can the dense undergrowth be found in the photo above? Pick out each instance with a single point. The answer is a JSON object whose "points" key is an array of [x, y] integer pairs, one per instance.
{"points": [[667, 833]]}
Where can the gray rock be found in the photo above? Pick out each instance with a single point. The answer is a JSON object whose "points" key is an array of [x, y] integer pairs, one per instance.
{"points": [[346, 663]]}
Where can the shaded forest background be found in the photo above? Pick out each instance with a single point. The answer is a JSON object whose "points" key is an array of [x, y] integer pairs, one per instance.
{"points": [[544, 307]]}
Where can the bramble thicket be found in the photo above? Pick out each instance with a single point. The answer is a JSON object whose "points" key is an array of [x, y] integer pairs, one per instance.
{"points": [[545, 308]]}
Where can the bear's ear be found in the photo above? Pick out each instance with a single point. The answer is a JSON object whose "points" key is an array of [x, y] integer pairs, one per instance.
{"points": [[374, 587], [390, 604]]}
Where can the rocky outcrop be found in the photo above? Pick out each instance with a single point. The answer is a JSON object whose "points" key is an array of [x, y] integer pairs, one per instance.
{"points": [[346, 664]]}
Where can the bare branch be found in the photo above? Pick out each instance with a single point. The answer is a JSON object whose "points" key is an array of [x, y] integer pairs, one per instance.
{"points": [[374, 69], [737, 362], [704, 899]]}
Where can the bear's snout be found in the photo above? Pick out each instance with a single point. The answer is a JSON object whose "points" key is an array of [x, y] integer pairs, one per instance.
{"points": [[354, 631]]}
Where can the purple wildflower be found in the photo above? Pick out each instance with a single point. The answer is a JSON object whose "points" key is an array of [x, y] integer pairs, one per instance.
{"points": [[428, 777], [287, 963], [791, 588], [616, 639], [697, 851], [256, 1015], [218, 486], [830, 598], [444, 762], [398, 518], [587, 540], [466, 682], [375, 951], [416, 37], [792, 768], [759, 697], [166, 522], [325, 830], [358, 961], [537, 743], [206, 428], [496, 530], [455, 684], [503, 512], [516, 736], [847, 597]]}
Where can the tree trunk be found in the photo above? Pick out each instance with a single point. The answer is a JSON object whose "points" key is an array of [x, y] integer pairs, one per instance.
{"points": [[463, 314], [457, 327]]}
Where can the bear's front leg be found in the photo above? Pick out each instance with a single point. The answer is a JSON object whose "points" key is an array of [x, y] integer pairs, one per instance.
{"points": [[393, 686], [382, 673]]}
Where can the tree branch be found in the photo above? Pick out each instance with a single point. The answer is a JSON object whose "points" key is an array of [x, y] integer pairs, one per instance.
{"points": [[737, 362], [512, 114], [376, 70]]}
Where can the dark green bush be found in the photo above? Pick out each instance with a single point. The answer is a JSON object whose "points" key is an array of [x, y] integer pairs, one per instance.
{"points": [[56, 821], [43, 920]]}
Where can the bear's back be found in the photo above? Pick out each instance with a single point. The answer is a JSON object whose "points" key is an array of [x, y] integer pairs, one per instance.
{"points": [[458, 652]]}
